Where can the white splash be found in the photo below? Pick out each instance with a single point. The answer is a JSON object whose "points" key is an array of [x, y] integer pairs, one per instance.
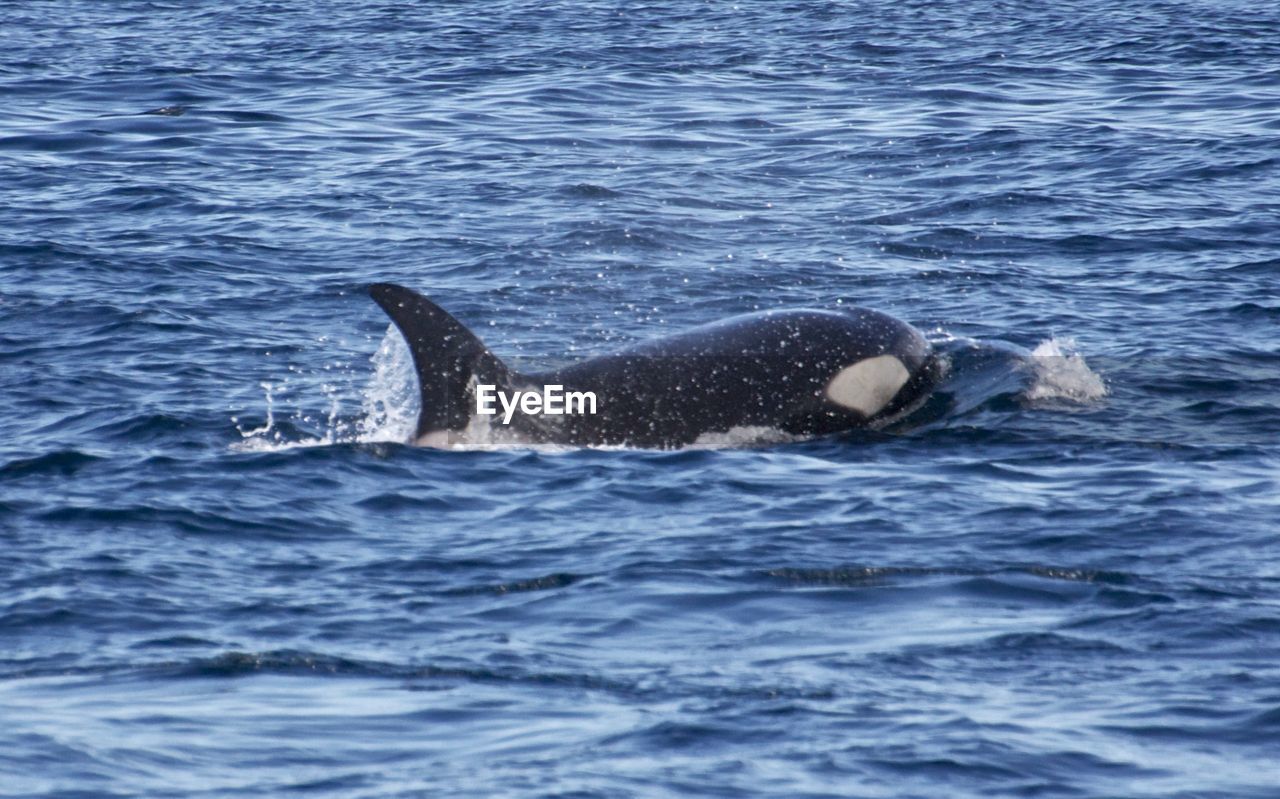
{"points": [[1060, 373], [268, 426], [743, 437], [390, 400], [389, 406]]}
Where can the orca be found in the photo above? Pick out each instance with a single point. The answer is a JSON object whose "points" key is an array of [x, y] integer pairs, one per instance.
{"points": [[804, 372]]}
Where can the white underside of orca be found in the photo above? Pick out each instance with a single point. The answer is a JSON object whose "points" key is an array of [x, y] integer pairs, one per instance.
{"points": [[868, 385]]}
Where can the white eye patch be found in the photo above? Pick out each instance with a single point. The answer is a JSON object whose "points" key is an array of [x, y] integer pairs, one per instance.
{"points": [[868, 386]]}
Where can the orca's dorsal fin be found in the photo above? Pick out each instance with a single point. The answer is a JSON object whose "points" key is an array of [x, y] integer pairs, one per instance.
{"points": [[446, 356]]}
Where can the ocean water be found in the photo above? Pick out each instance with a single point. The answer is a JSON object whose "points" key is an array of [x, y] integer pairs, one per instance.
{"points": [[224, 573]]}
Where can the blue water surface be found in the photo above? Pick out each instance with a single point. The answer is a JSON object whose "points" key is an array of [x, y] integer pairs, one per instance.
{"points": [[223, 573]]}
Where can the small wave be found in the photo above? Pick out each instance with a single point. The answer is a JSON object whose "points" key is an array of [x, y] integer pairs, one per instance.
{"points": [[63, 462], [589, 191], [545, 583], [1037, 644]]}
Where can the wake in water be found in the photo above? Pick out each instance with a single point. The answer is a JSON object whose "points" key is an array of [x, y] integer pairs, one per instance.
{"points": [[979, 375]]}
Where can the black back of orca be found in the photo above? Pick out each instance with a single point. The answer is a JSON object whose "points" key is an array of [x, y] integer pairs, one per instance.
{"points": [[806, 372]]}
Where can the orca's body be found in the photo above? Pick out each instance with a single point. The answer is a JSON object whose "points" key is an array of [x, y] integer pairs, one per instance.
{"points": [[803, 372]]}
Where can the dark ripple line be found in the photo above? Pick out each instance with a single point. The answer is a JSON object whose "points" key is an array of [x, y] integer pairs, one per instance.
{"points": [[289, 662], [859, 576]]}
